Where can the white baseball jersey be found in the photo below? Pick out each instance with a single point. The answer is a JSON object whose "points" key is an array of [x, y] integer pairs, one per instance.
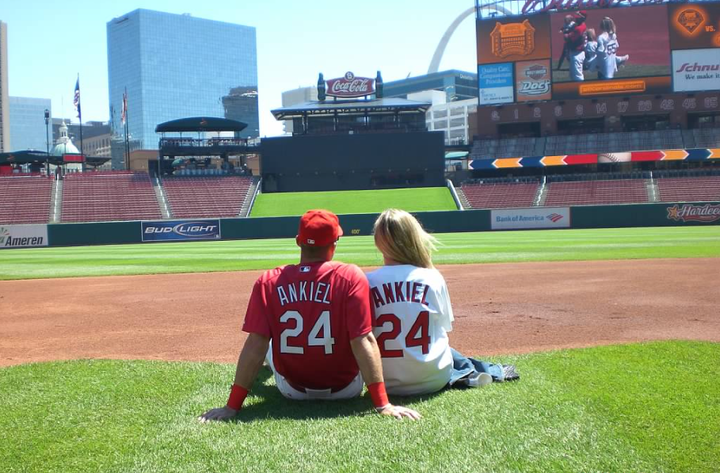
{"points": [[606, 49], [411, 317], [591, 55]]}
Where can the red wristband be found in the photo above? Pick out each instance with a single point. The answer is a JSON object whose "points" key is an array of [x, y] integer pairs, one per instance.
{"points": [[378, 394], [237, 397]]}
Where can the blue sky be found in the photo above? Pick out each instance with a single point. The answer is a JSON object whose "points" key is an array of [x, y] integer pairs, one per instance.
{"points": [[50, 42]]}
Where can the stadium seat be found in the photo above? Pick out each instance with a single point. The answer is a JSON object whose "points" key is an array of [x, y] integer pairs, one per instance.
{"points": [[206, 196], [25, 199], [109, 196]]}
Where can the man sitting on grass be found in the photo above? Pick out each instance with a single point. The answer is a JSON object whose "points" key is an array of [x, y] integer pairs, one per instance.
{"points": [[317, 315]]}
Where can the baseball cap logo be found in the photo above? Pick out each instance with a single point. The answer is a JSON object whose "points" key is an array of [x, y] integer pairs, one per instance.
{"points": [[310, 241]]}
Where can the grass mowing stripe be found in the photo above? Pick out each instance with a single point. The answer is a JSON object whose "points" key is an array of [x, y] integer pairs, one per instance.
{"points": [[647, 407], [455, 248], [350, 202]]}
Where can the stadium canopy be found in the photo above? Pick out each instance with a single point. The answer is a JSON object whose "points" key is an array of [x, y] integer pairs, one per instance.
{"points": [[28, 157], [350, 107], [457, 155], [200, 124]]}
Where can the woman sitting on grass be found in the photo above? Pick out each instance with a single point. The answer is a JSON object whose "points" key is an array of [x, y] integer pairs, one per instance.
{"points": [[413, 315]]}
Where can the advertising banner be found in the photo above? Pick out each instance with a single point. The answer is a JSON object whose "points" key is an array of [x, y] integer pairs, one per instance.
{"points": [[495, 83], [694, 25], [23, 236], [513, 39], [532, 79], [696, 70], [181, 230], [523, 219], [707, 213]]}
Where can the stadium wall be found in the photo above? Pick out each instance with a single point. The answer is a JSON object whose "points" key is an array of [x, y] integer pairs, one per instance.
{"points": [[353, 162], [586, 217]]}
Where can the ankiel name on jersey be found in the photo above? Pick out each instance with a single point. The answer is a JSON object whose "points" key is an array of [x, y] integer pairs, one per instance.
{"points": [[304, 291], [403, 291]]}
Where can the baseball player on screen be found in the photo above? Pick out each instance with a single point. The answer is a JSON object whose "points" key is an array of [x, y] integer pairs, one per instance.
{"points": [[413, 315], [317, 316]]}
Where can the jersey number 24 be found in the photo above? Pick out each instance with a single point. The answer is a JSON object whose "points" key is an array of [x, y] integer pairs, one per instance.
{"points": [[314, 339], [417, 336]]}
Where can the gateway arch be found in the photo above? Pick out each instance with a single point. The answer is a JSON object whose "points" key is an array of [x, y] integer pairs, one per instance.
{"points": [[440, 50]]}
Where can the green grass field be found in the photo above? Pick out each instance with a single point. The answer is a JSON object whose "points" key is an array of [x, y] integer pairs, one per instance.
{"points": [[635, 408], [353, 202], [456, 248], [649, 407]]}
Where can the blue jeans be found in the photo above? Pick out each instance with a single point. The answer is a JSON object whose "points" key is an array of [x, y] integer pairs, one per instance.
{"points": [[464, 366]]}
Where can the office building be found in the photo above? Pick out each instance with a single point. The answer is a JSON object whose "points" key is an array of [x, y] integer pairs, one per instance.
{"points": [[177, 66], [457, 85], [27, 123]]}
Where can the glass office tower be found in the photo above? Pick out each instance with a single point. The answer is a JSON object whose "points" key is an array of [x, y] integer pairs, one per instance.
{"points": [[27, 124], [177, 66]]}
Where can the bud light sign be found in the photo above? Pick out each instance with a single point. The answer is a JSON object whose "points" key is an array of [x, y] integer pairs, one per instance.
{"points": [[181, 230]]}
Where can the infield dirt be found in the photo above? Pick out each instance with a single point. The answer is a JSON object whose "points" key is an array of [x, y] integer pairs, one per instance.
{"points": [[499, 309]]}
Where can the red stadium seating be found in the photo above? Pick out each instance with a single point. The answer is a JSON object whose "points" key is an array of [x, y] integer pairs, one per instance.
{"points": [[108, 196], [25, 199], [500, 195], [206, 196], [621, 191], [688, 189]]}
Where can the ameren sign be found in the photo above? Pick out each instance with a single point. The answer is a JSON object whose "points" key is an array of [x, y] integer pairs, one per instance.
{"points": [[539, 6], [23, 236]]}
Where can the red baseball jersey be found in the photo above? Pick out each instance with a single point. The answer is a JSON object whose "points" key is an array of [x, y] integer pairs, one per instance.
{"points": [[311, 312]]}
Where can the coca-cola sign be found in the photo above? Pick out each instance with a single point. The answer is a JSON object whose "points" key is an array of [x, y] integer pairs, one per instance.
{"points": [[350, 86], [694, 213], [537, 6]]}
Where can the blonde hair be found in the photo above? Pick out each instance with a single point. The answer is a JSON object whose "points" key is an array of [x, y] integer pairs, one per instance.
{"points": [[607, 24], [590, 33], [401, 238]]}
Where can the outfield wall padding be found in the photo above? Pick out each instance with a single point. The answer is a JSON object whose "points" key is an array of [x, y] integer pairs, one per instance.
{"points": [[108, 233], [645, 215], [599, 216]]}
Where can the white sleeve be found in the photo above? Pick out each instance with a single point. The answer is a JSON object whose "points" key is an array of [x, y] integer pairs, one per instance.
{"points": [[445, 307], [601, 44]]}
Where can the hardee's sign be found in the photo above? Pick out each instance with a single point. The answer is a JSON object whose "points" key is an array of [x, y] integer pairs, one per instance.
{"points": [[538, 6], [350, 86], [694, 213]]}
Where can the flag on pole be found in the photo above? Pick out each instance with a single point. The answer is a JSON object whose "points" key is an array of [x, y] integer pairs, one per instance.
{"points": [[76, 100], [123, 114]]}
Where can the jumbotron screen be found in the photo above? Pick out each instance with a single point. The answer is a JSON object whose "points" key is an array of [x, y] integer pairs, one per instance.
{"points": [[600, 52]]}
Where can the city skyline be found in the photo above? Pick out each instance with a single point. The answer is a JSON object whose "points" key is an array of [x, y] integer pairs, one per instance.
{"points": [[294, 42]]}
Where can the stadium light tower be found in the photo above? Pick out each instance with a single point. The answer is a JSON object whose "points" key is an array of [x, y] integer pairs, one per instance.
{"points": [[47, 141]]}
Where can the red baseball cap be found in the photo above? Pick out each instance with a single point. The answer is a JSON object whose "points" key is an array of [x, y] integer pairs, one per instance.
{"points": [[318, 228]]}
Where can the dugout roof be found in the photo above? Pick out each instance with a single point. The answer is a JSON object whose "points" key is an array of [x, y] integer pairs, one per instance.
{"points": [[200, 124], [350, 107]]}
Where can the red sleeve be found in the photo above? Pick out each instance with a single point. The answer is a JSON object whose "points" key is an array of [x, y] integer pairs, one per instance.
{"points": [[574, 34], [256, 315], [359, 315]]}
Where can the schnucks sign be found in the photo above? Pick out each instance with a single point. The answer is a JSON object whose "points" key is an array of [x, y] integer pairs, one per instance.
{"points": [[350, 86], [182, 230], [537, 6]]}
